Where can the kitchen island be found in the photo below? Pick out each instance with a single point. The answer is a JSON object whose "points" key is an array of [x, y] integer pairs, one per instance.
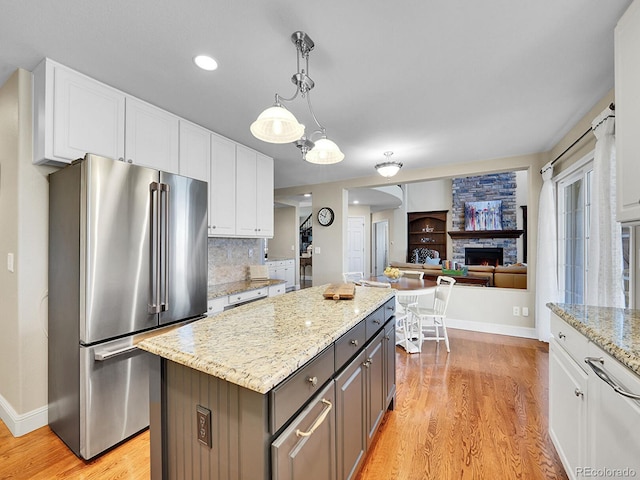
{"points": [[267, 387]]}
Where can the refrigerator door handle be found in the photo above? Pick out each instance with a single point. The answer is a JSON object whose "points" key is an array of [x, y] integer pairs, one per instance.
{"points": [[164, 249], [101, 356], [154, 216]]}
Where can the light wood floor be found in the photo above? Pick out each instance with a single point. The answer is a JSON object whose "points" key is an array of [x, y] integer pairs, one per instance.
{"points": [[478, 413]]}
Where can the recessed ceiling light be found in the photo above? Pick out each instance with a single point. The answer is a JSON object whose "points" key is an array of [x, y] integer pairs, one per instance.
{"points": [[205, 62]]}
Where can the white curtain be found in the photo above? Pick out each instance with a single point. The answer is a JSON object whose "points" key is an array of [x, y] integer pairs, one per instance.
{"points": [[546, 258], [604, 277]]}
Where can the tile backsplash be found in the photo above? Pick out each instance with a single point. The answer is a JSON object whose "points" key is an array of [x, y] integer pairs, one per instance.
{"points": [[229, 258]]}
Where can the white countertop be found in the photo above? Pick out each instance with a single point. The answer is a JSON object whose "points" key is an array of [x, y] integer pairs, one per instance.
{"points": [[260, 344]]}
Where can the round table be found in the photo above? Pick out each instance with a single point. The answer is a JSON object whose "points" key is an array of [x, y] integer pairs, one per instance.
{"points": [[407, 287]]}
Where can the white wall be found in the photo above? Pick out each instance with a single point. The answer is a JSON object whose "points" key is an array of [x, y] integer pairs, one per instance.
{"points": [[24, 191]]}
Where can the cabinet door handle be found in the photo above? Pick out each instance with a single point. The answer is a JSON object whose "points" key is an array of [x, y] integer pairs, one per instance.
{"points": [[318, 422], [578, 392], [354, 343], [313, 381], [604, 376], [377, 322]]}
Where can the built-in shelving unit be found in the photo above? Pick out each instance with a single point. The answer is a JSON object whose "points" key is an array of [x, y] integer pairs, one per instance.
{"points": [[427, 230]]}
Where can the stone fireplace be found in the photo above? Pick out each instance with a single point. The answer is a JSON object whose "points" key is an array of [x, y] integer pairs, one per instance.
{"points": [[483, 256], [496, 186]]}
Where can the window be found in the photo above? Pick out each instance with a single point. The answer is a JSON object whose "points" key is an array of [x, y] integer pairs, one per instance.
{"points": [[574, 215], [574, 208]]}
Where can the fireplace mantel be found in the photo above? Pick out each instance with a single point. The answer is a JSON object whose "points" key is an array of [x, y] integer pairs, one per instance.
{"points": [[486, 233]]}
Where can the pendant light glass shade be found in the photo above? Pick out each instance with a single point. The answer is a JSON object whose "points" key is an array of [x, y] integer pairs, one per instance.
{"points": [[324, 152], [277, 125], [389, 168]]}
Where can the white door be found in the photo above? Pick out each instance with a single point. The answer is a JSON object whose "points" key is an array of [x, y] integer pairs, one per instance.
{"points": [[355, 245], [381, 247]]}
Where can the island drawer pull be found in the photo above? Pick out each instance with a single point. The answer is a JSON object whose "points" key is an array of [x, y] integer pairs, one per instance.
{"points": [[313, 381], [561, 335], [318, 422], [354, 343], [604, 376]]}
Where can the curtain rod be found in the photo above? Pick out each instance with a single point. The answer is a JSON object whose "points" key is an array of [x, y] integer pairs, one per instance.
{"points": [[611, 107]]}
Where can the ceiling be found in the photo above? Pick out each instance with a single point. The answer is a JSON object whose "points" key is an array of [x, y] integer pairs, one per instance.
{"points": [[434, 82]]}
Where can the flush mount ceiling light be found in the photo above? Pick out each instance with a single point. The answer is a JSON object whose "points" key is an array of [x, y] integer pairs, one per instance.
{"points": [[389, 168], [278, 125], [205, 62]]}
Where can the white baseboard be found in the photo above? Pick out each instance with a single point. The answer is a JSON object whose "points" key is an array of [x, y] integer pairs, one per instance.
{"points": [[20, 425], [497, 328]]}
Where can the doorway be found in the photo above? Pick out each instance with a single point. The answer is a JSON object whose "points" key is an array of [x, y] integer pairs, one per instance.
{"points": [[355, 245], [380, 246]]}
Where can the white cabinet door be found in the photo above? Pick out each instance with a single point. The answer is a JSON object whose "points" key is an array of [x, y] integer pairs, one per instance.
{"points": [[246, 195], [151, 136], [254, 194], [222, 187], [75, 115], [195, 151], [567, 408], [627, 88], [290, 273], [264, 195], [614, 420]]}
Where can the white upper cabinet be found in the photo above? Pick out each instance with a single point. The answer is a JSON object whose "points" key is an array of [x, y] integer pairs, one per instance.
{"points": [[627, 91], [254, 194], [151, 136], [222, 187], [195, 151], [74, 115], [264, 193]]}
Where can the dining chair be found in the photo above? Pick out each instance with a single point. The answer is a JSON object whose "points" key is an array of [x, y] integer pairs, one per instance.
{"points": [[431, 320], [352, 277]]}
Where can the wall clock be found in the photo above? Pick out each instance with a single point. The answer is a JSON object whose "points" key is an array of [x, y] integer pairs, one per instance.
{"points": [[325, 216]]}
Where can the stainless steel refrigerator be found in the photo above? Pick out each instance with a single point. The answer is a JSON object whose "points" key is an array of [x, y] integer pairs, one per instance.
{"points": [[127, 257]]}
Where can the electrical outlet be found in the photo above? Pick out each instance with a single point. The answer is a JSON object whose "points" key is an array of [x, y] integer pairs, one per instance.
{"points": [[516, 311], [203, 419], [316, 250], [250, 252], [525, 311], [10, 262]]}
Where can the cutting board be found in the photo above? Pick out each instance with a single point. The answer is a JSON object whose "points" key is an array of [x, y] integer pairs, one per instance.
{"points": [[340, 291]]}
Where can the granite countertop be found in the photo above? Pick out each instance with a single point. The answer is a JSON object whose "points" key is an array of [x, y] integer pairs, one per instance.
{"points": [[224, 289], [259, 344], [615, 330]]}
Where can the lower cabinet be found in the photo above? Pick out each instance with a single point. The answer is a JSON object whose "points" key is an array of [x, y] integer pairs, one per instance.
{"points": [[567, 408], [593, 419], [363, 393], [351, 417], [306, 448], [613, 419]]}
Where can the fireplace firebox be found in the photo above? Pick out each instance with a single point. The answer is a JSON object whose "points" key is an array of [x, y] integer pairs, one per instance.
{"points": [[483, 256]]}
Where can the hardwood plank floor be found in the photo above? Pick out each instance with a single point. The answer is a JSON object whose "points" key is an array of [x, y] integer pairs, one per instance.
{"points": [[478, 413]]}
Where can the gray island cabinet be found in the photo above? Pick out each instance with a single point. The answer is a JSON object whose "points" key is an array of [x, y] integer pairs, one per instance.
{"points": [[290, 387]]}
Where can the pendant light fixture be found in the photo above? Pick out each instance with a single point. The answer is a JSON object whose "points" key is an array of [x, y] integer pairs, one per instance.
{"points": [[278, 125], [389, 168]]}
